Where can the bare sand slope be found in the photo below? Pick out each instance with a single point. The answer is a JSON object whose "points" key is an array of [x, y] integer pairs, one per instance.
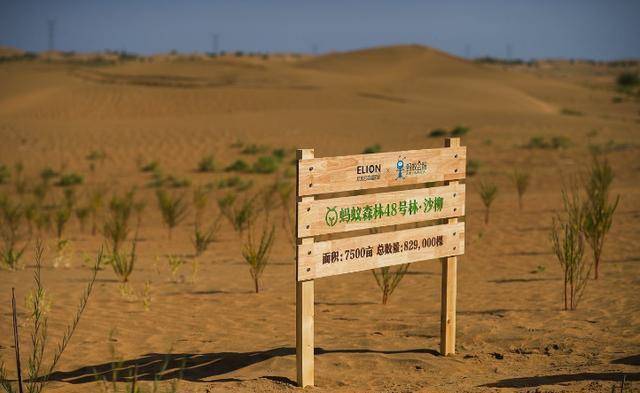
{"points": [[512, 334]]}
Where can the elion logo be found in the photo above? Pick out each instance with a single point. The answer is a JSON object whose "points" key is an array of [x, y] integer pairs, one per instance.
{"points": [[368, 172]]}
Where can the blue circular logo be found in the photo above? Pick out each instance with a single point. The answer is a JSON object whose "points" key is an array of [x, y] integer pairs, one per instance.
{"points": [[400, 164]]}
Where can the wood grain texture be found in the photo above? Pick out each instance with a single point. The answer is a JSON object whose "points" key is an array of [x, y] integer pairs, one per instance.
{"points": [[336, 174], [449, 287], [317, 216], [305, 373], [312, 262]]}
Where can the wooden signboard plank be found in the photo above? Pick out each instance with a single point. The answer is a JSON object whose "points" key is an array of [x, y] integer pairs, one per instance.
{"points": [[335, 215], [364, 171], [333, 257]]}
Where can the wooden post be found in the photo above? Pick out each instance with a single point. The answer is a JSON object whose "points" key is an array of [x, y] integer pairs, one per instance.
{"points": [[304, 303], [449, 281]]}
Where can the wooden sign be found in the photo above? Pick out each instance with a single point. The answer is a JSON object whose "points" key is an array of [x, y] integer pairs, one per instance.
{"points": [[390, 216]]}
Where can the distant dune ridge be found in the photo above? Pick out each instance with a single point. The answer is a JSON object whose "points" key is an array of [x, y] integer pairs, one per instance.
{"points": [[169, 112]]}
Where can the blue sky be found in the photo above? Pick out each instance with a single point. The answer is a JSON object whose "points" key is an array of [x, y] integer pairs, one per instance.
{"points": [[532, 29]]}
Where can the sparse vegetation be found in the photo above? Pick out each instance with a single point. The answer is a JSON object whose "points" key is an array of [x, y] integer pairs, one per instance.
{"points": [[37, 374], [69, 179], [175, 263], [257, 254], [568, 245], [473, 166], [570, 112], [521, 181], [238, 216], [459, 131], [388, 279], [238, 166], [62, 216], [254, 149], [456, 131], [598, 210], [372, 149], [207, 164], [123, 263], [628, 80], [11, 216], [5, 174], [556, 142], [488, 192], [265, 165], [437, 133], [116, 226], [173, 208]]}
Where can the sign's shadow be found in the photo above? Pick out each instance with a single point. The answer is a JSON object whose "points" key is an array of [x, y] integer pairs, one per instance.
{"points": [[193, 367]]}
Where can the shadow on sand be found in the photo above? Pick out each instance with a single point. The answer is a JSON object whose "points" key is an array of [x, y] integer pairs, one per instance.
{"points": [[194, 367]]}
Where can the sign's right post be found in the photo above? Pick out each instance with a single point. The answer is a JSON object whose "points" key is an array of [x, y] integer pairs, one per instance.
{"points": [[449, 281]]}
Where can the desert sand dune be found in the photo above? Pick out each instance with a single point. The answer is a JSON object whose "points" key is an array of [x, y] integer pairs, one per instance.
{"points": [[512, 333]]}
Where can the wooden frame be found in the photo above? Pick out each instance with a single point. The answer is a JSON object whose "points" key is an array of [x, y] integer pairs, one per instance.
{"points": [[440, 204]]}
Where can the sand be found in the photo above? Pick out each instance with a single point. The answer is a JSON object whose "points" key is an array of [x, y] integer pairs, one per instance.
{"points": [[512, 332]]}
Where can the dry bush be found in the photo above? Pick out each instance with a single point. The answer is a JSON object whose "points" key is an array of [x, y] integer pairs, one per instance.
{"points": [[521, 181], [388, 279], [568, 245], [37, 375], [175, 263], [488, 192], [598, 210], [173, 207]]}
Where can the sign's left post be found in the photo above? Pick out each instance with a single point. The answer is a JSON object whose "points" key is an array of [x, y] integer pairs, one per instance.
{"points": [[304, 296]]}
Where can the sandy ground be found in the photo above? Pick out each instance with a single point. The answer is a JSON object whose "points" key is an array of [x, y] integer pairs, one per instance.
{"points": [[215, 334]]}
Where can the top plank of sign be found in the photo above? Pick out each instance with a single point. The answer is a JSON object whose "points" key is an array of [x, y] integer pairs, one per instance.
{"points": [[365, 171]]}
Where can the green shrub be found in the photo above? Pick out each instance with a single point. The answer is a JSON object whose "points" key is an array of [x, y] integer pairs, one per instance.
{"points": [[537, 142], [473, 166], [229, 182], [265, 164], [372, 149], [628, 79], [173, 208], [459, 131], [4, 174], [238, 166], [69, 179], [123, 263], [560, 142], [598, 209], [257, 254], [388, 280], [207, 164], [279, 154], [152, 166], [253, 149], [570, 112], [47, 174], [488, 192], [437, 133]]}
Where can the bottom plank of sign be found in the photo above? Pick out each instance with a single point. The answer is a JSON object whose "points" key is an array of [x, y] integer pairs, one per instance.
{"points": [[355, 254]]}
